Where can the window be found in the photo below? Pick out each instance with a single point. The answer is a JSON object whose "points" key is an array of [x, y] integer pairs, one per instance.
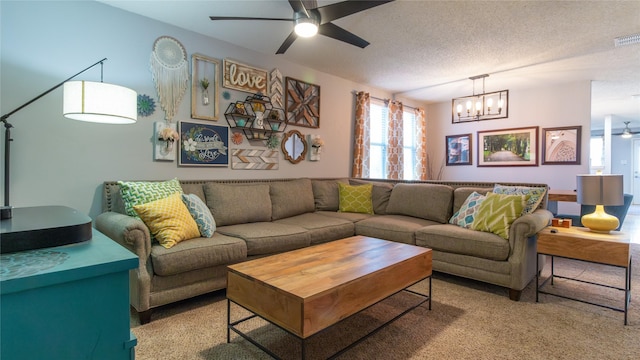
{"points": [[596, 156], [378, 140]]}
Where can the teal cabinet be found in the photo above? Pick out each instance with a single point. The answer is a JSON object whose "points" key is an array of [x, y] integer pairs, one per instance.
{"points": [[67, 302]]}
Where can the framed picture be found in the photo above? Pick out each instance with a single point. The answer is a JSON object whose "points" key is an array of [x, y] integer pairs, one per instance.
{"points": [[241, 77], [508, 147], [203, 144], [302, 102], [561, 145], [458, 149], [204, 87]]}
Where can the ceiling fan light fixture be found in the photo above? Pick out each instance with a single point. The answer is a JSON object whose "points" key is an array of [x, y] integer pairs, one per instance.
{"points": [[626, 133], [305, 26]]}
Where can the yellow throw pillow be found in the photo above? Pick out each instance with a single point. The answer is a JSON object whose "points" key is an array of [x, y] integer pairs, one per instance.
{"points": [[356, 199], [497, 212], [168, 220]]}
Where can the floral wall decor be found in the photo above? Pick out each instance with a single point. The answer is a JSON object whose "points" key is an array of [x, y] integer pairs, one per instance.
{"points": [[204, 87], [165, 140], [203, 144], [146, 105], [316, 147]]}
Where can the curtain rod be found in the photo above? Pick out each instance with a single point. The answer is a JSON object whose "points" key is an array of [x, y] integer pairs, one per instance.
{"points": [[385, 100]]}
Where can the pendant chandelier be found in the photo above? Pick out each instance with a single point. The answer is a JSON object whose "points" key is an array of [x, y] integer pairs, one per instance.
{"points": [[483, 106]]}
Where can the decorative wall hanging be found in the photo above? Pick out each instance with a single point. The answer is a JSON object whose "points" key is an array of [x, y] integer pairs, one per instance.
{"points": [[561, 145], [303, 103], [273, 141], [165, 139], [484, 106], [170, 71], [250, 159], [204, 87], [203, 144], [294, 146], [237, 138], [458, 149], [146, 105], [275, 88], [316, 147], [245, 78], [508, 147], [256, 117]]}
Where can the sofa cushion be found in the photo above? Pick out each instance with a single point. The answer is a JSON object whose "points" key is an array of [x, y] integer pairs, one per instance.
{"points": [[465, 215], [168, 220], [321, 228], [201, 214], [198, 253], [379, 195], [326, 194], [497, 212], [265, 238], [536, 194], [455, 239], [353, 217], [141, 192], [426, 201], [398, 228], [290, 198], [238, 204], [355, 198]]}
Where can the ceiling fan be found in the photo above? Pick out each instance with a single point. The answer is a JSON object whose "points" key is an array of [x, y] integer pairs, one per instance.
{"points": [[310, 19], [626, 132]]}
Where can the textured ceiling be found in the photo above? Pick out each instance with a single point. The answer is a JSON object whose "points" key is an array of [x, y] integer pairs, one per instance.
{"points": [[427, 50]]}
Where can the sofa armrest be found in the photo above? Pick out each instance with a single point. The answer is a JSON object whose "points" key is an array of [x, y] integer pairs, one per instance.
{"points": [[529, 225], [128, 231]]}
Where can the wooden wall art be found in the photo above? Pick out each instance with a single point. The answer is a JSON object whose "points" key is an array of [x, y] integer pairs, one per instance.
{"points": [[204, 87], [275, 87], [245, 78], [252, 159], [303, 103]]}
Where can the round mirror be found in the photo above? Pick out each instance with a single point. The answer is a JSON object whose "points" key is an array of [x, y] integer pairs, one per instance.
{"points": [[294, 146]]}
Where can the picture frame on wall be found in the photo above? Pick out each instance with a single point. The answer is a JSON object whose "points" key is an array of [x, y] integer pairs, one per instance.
{"points": [[561, 145], [204, 87], [302, 101], [458, 149], [508, 147], [203, 144]]}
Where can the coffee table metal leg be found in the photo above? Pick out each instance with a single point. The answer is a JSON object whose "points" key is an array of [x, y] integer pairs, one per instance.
{"points": [[228, 321]]}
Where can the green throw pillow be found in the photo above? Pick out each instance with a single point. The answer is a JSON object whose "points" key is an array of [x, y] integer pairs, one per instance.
{"points": [[356, 199], [497, 212], [142, 192], [536, 194]]}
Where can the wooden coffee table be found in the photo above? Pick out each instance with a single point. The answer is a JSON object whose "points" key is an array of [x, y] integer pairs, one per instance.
{"points": [[307, 290]]}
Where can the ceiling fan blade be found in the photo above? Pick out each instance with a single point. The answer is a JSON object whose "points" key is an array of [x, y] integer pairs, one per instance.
{"points": [[334, 31], [287, 42], [346, 8], [245, 18], [298, 6]]}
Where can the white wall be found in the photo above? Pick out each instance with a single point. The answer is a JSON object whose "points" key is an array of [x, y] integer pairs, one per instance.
{"points": [[56, 161]]}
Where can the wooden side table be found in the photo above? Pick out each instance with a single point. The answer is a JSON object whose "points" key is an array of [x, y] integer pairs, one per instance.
{"points": [[580, 243]]}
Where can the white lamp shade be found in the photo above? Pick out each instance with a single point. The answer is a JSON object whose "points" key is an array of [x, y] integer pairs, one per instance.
{"points": [[600, 189], [100, 102]]}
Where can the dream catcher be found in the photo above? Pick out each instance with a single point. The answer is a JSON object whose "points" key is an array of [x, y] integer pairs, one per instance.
{"points": [[170, 72]]}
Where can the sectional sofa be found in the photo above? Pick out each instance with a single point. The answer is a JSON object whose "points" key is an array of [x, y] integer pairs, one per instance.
{"points": [[257, 218]]}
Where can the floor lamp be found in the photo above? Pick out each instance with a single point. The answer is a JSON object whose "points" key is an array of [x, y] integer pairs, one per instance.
{"points": [[46, 226]]}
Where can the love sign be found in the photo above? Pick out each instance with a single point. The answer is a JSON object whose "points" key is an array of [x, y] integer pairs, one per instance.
{"points": [[243, 77]]}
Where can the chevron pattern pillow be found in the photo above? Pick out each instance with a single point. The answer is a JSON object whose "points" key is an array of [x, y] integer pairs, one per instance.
{"points": [[355, 198], [141, 192], [465, 215], [168, 220], [201, 214], [497, 212]]}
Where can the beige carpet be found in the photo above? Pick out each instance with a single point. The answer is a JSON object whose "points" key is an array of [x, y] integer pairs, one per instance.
{"points": [[468, 320]]}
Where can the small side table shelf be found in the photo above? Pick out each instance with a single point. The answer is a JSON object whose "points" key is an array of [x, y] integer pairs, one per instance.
{"points": [[67, 302], [578, 243]]}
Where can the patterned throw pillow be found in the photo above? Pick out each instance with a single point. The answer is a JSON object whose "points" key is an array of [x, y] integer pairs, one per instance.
{"points": [[355, 198], [464, 216], [141, 192], [168, 220], [201, 214], [536, 194], [497, 212]]}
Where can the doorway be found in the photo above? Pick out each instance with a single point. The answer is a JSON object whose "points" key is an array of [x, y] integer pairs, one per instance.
{"points": [[636, 171]]}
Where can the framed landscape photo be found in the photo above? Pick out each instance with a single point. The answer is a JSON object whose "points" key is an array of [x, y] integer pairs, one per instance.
{"points": [[508, 147], [203, 144], [458, 149], [561, 145]]}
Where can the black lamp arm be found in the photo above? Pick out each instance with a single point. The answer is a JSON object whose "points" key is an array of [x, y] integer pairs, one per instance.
{"points": [[6, 210]]}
